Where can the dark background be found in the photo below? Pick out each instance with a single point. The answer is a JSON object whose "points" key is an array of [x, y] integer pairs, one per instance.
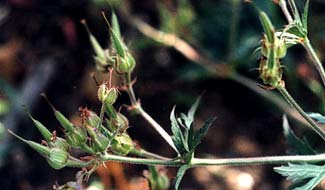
{"points": [[44, 48]]}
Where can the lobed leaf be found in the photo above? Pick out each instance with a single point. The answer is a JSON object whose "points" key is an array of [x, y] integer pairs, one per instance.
{"points": [[198, 136], [177, 137], [299, 172]]}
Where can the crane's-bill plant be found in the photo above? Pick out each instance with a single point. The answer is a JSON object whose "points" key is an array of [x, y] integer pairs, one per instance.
{"points": [[103, 137]]}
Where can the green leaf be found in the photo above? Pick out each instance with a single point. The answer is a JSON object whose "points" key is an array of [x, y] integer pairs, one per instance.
{"points": [[296, 145], [312, 183], [299, 172], [191, 112], [198, 136], [318, 117], [305, 16], [180, 175], [177, 137]]}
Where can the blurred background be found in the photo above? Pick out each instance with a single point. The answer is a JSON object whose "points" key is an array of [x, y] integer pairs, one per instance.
{"points": [[45, 49]]}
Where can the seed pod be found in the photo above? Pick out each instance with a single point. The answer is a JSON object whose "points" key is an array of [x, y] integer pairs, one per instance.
{"points": [[60, 143], [115, 25], [100, 141], [267, 26], [100, 56], [118, 44], [41, 149], [122, 144], [77, 137], [92, 119], [107, 96], [121, 122], [111, 97], [58, 158], [42, 129]]}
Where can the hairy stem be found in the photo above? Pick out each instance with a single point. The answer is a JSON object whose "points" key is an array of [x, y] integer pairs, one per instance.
{"points": [[318, 64], [216, 162], [295, 105]]}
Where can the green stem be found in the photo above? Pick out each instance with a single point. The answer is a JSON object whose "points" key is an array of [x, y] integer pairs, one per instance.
{"points": [[156, 126], [215, 162], [318, 64], [295, 105], [137, 106], [147, 154]]}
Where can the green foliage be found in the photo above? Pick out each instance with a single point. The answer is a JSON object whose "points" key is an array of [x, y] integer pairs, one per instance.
{"points": [[296, 145], [187, 139], [299, 172]]}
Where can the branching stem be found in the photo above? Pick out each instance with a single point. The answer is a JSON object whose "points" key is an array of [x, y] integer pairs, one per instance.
{"points": [[318, 64], [295, 105]]}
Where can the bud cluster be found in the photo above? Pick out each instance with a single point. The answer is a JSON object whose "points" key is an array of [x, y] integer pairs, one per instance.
{"points": [[119, 57], [273, 48], [93, 136]]}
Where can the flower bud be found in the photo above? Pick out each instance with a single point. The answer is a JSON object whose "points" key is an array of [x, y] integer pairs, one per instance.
{"points": [[58, 158], [122, 144]]}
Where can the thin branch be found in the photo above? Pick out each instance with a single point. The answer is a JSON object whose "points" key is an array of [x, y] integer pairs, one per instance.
{"points": [[286, 12], [318, 64], [216, 162], [295, 105]]}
